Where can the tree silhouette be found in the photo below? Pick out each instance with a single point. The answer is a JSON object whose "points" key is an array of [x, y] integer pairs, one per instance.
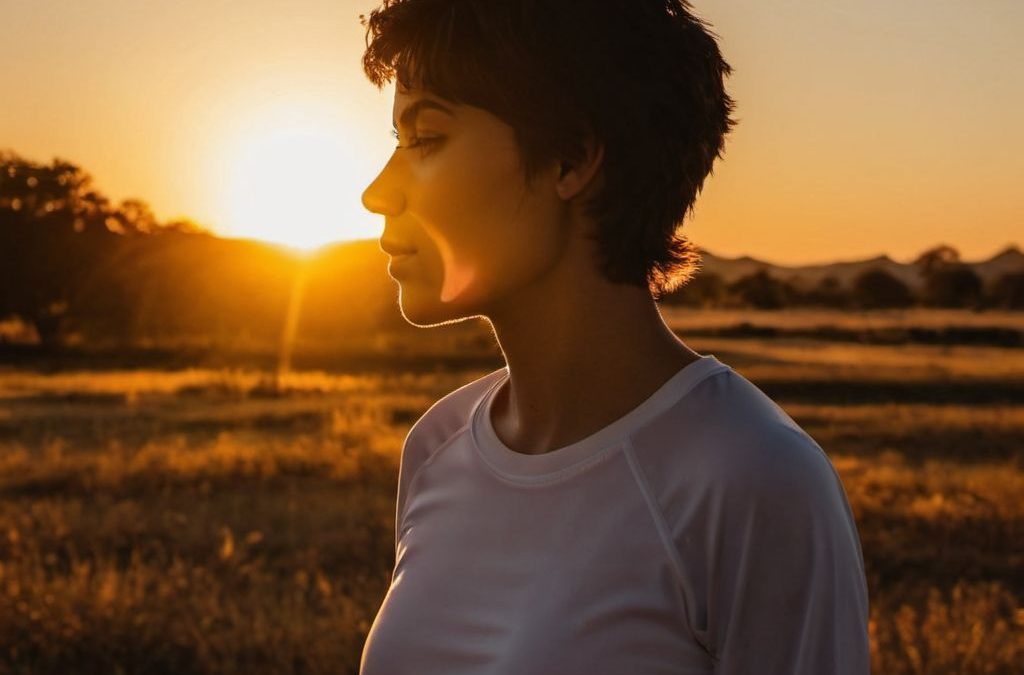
{"points": [[955, 285], [760, 289], [936, 258], [1007, 291], [876, 288], [57, 237], [828, 292], [948, 282]]}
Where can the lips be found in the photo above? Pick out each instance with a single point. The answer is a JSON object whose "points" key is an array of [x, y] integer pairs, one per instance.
{"points": [[397, 264], [396, 249]]}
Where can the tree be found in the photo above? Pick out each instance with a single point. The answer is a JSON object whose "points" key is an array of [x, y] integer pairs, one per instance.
{"points": [[936, 258], [828, 292], [955, 285], [1007, 291], [948, 282], [51, 197], [132, 217], [876, 288], [57, 237], [762, 290]]}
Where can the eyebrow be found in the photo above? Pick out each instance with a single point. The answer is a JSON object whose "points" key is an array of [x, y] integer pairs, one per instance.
{"points": [[408, 116]]}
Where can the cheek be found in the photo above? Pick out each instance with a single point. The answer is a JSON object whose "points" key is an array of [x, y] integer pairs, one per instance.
{"points": [[467, 206]]}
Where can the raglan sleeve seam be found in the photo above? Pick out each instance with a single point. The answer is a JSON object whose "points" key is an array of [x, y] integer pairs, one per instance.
{"points": [[661, 525]]}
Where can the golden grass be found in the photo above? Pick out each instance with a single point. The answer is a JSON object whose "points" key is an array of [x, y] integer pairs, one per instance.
{"points": [[795, 358], [909, 419], [199, 522], [972, 628], [132, 384]]}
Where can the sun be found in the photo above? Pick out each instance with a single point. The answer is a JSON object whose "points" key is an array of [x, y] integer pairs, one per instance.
{"points": [[293, 181]]}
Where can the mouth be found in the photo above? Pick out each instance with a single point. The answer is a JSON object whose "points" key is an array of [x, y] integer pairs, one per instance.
{"points": [[399, 263], [395, 249]]}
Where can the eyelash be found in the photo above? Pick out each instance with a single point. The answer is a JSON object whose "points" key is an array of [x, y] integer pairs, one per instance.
{"points": [[416, 142]]}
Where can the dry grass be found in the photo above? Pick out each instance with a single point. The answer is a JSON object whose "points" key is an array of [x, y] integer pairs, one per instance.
{"points": [[233, 556], [844, 361], [918, 432], [202, 522]]}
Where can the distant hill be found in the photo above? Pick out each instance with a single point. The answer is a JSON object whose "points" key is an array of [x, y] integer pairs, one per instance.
{"points": [[192, 288], [805, 277], [1010, 259]]}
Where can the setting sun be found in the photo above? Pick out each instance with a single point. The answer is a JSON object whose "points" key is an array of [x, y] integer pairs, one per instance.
{"points": [[292, 180]]}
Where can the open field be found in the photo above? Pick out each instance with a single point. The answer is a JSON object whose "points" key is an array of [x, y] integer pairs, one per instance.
{"points": [[919, 325], [206, 521]]}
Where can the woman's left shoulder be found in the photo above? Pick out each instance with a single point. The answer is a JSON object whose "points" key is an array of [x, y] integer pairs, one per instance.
{"points": [[731, 436]]}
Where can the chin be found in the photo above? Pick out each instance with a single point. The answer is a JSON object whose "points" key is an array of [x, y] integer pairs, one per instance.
{"points": [[426, 314]]}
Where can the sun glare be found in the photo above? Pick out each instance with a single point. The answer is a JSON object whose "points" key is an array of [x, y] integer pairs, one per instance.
{"points": [[293, 182]]}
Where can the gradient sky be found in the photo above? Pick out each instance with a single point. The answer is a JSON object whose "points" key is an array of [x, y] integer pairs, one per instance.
{"points": [[866, 126]]}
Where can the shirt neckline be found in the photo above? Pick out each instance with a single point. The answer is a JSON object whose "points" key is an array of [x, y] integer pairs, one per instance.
{"points": [[569, 458]]}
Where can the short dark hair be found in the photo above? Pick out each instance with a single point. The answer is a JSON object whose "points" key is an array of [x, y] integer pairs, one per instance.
{"points": [[644, 77]]}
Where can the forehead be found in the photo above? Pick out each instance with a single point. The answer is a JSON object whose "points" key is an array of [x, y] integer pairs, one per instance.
{"points": [[404, 97]]}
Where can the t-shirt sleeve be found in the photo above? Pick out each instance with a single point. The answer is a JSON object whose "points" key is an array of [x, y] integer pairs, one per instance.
{"points": [[434, 428], [785, 586], [416, 451]]}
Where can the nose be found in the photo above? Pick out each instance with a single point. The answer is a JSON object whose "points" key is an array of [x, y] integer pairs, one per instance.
{"points": [[382, 195]]}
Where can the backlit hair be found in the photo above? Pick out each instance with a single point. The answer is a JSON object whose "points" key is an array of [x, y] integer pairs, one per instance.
{"points": [[644, 77]]}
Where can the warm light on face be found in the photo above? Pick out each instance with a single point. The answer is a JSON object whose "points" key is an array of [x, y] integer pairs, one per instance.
{"points": [[479, 230], [293, 181]]}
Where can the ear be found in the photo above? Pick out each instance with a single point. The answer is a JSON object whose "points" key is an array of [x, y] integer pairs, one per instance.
{"points": [[575, 176]]}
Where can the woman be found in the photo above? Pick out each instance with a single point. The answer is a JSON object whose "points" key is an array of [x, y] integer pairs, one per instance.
{"points": [[609, 502]]}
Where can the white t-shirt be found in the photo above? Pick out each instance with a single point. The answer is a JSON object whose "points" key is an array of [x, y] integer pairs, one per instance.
{"points": [[702, 532]]}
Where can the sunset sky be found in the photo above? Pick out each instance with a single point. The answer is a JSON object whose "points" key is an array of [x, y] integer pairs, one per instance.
{"points": [[866, 126]]}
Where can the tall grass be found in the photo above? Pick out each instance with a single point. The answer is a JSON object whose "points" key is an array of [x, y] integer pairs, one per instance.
{"points": [[203, 522]]}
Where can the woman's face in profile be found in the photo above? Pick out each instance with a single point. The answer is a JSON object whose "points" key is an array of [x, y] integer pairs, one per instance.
{"points": [[454, 194]]}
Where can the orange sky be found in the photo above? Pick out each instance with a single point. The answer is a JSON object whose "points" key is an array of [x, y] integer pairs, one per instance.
{"points": [[866, 126]]}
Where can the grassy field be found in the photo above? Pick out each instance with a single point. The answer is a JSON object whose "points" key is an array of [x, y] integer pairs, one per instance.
{"points": [[208, 521]]}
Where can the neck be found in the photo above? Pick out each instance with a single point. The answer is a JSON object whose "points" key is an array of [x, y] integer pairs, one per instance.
{"points": [[580, 354]]}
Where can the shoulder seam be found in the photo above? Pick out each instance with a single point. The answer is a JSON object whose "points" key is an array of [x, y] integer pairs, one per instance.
{"points": [[419, 470], [666, 539]]}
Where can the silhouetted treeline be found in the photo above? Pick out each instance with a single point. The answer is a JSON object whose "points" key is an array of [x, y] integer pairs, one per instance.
{"points": [[74, 266], [945, 282]]}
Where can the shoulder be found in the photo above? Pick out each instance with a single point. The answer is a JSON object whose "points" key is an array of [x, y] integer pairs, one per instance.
{"points": [[727, 440], [442, 421], [759, 528], [446, 417]]}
